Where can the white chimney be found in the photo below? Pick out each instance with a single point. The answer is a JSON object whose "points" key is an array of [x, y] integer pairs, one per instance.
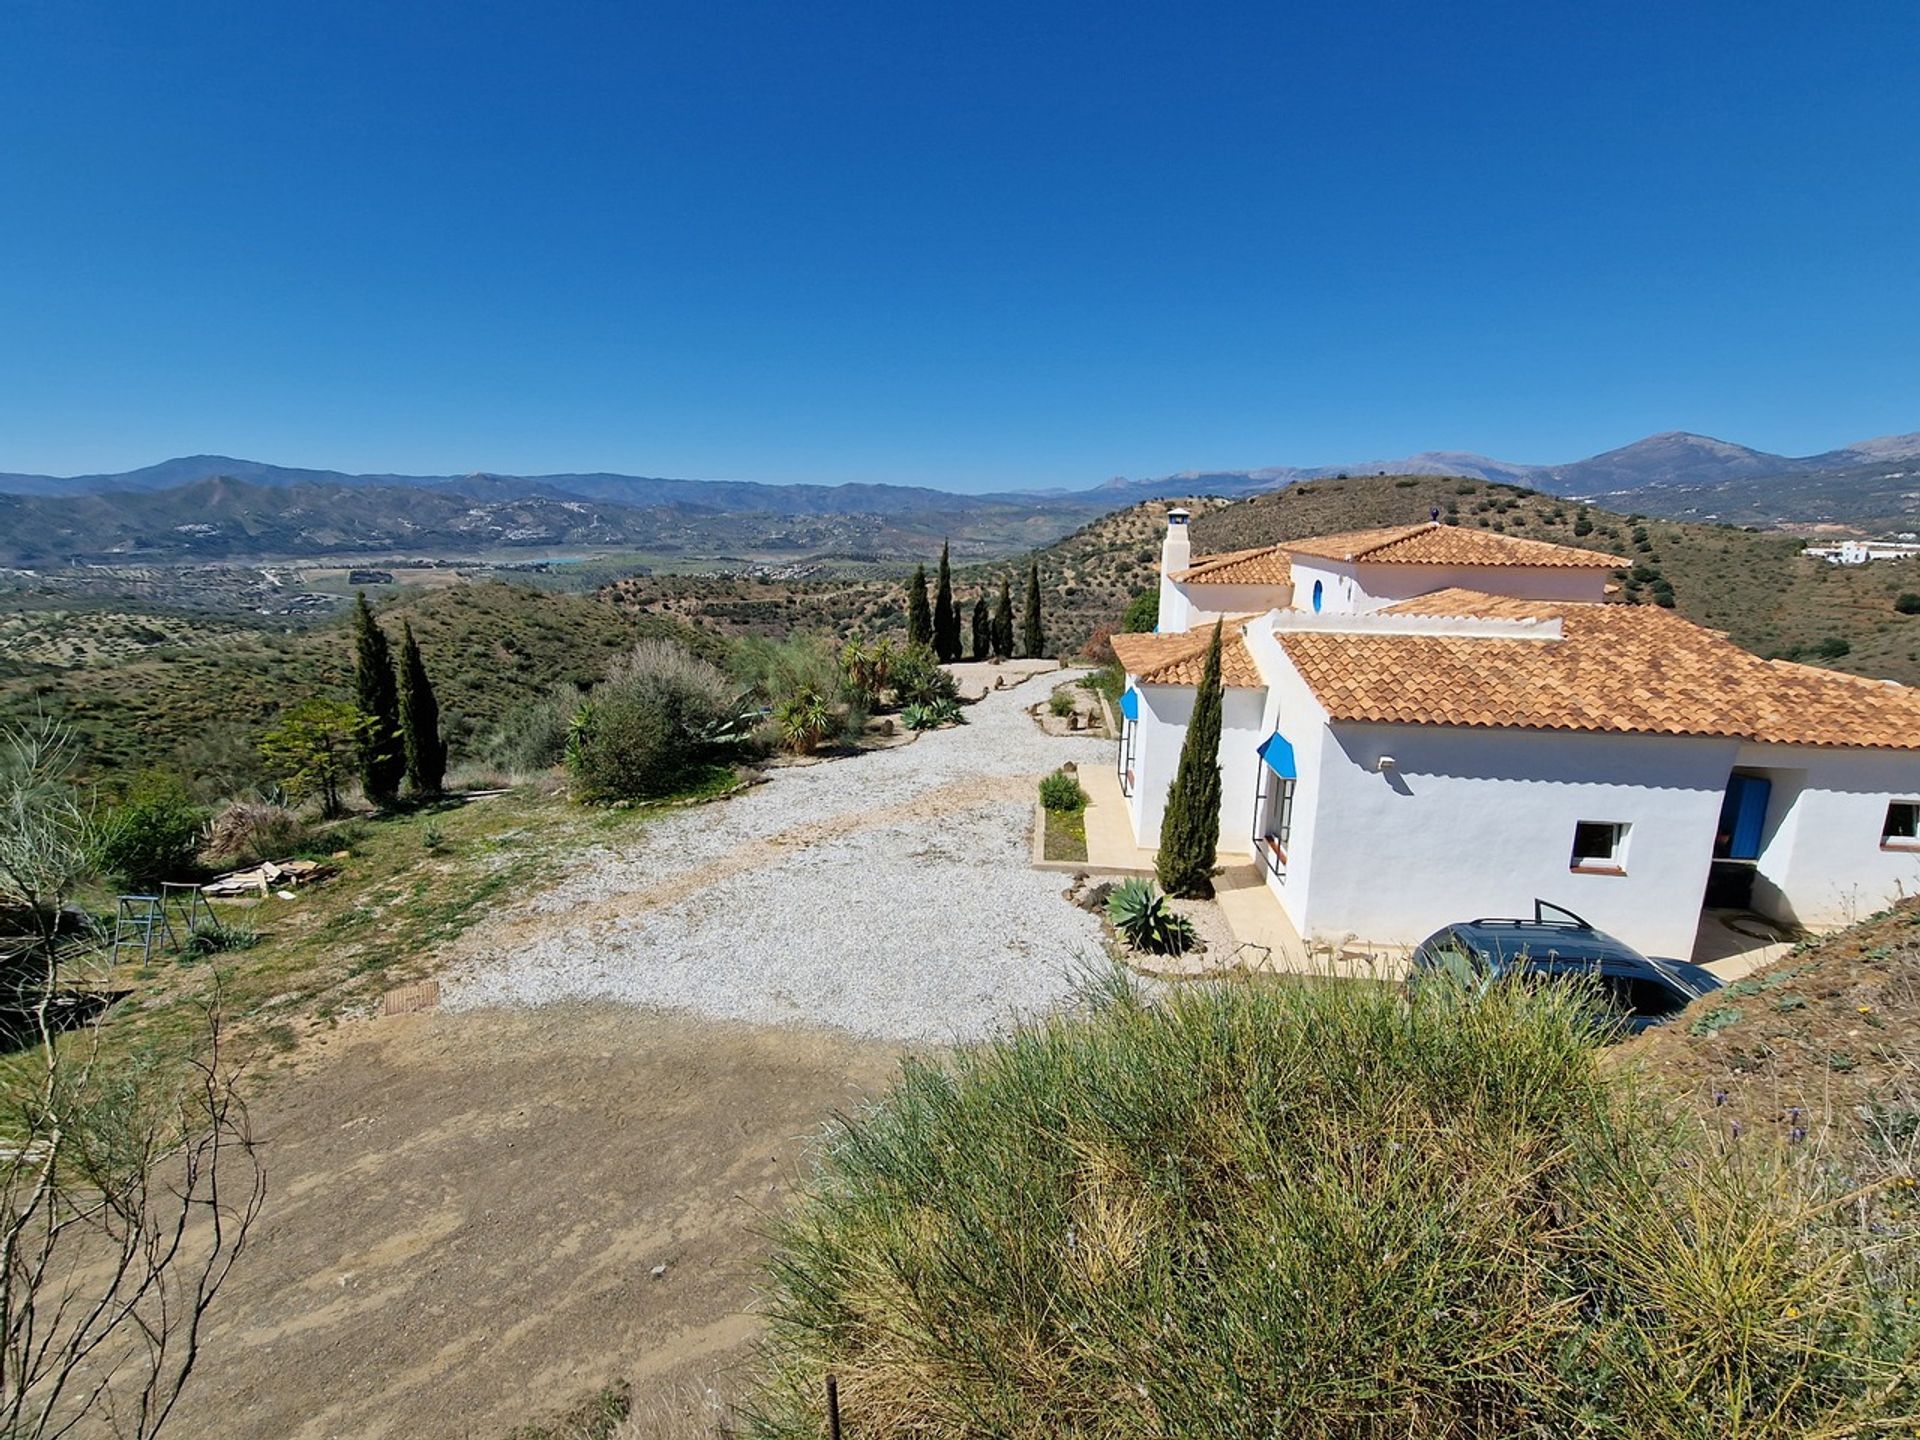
{"points": [[1176, 554]]}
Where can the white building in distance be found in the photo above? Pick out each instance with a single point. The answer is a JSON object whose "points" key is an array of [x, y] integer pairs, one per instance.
{"points": [[1425, 724]]}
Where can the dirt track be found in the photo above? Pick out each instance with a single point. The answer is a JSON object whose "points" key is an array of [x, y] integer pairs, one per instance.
{"points": [[466, 1209]]}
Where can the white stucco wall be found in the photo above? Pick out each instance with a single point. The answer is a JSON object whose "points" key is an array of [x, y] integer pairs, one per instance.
{"points": [[1476, 822], [1292, 710], [1164, 713], [1361, 588], [1821, 862], [1208, 603]]}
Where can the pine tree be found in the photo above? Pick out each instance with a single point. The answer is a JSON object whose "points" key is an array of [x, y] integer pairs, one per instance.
{"points": [[420, 720], [1003, 624], [383, 759], [1190, 832], [982, 628], [919, 618], [946, 615], [1033, 639]]}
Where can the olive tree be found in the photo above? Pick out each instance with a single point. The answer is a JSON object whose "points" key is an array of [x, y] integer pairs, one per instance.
{"points": [[126, 1194]]}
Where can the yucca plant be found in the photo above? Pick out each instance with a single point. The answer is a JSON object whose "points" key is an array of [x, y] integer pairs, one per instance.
{"points": [[1147, 922], [806, 719]]}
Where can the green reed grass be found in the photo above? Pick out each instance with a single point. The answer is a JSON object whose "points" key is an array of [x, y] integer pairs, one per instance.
{"points": [[1314, 1211]]}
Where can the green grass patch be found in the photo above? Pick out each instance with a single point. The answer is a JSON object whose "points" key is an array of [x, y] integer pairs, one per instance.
{"points": [[1066, 837]]}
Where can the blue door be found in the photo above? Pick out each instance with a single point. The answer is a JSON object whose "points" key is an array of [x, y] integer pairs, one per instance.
{"points": [[1743, 818]]}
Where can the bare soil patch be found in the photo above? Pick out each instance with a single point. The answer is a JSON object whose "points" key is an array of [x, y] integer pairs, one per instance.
{"points": [[466, 1212]]}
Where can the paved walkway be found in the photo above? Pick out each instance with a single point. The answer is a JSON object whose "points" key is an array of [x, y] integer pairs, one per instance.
{"points": [[888, 894]]}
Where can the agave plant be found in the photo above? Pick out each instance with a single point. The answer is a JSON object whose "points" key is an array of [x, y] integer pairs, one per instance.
{"points": [[1147, 922], [736, 723]]}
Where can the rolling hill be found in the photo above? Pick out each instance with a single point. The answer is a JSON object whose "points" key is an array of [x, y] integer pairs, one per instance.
{"points": [[216, 507], [1676, 473], [222, 518]]}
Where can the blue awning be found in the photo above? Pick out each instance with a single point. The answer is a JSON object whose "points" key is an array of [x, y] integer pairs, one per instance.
{"points": [[1130, 704], [1277, 755]]}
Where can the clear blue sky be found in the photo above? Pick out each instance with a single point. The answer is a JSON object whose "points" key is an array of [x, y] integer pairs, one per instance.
{"points": [[971, 245]]}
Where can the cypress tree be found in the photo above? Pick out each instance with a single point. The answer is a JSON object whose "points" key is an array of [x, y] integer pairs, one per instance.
{"points": [[919, 618], [1190, 833], [946, 615], [982, 628], [420, 720], [1033, 639], [1003, 624], [383, 759]]}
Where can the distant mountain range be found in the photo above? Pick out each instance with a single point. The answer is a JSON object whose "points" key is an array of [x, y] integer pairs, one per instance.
{"points": [[1673, 458], [216, 507]]}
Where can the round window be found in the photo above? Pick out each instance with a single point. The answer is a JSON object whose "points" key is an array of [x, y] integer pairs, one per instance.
{"points": [[1319, 594]]}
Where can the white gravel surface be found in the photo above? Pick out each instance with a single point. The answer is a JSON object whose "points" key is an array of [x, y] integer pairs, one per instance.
{"points": [[888, 894]]}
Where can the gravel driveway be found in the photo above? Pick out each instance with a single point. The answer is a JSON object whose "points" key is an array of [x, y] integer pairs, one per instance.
{"points": [[887, 894]]}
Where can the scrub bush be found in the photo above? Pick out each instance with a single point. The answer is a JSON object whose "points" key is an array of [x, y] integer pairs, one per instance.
{"points": [[650, 729], [533, 735], [1317, 1210], [218, 937], [248, 831], [1061, 793], [151, 834]]}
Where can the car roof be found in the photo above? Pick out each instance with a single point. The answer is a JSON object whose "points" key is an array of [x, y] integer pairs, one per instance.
{"points": [[1541, 939]]}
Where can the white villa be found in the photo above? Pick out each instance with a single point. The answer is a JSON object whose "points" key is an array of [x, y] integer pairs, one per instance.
{"points": [[1430, 723]]}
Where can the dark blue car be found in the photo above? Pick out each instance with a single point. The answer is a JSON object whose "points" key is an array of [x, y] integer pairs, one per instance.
{"points": [[1556, 944]]}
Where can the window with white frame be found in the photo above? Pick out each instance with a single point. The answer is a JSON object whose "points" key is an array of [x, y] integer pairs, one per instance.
{"points": [[1901, 829], [1129, 729], [1600, 846]]}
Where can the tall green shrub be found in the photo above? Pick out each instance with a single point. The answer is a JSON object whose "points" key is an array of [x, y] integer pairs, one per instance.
{"points": [[919, 616], [152, 833], [383, 755], [426, 749], [1003, 623], [1190, 832], [1033, 637], [982, 629], [946, 615]]}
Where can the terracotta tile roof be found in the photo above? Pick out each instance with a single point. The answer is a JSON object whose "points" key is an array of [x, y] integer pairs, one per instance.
{"points": [[1435, 544], [1179, 659], [1460, 603], [1622, 669], [1263, 565]]}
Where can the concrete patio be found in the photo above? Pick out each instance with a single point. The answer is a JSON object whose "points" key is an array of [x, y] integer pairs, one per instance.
{"points": [[1264, 938]]}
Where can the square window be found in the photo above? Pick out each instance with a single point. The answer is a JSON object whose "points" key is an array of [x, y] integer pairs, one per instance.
{"points": [[1599, 845], [1902, 826]]}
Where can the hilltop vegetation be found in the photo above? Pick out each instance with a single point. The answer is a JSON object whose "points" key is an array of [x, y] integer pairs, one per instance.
{"points": [[200, 706]]}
